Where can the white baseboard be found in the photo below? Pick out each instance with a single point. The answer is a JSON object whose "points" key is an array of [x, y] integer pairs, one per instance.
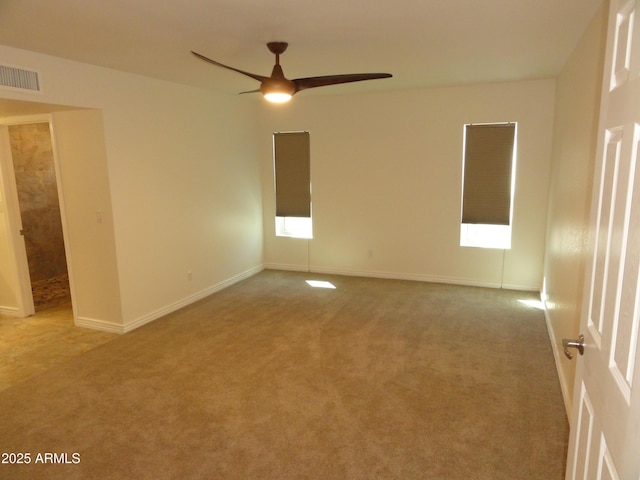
{"points": [[10, 311], [191, 299], [286, 267], [522, 288], [557, 356], [119, 328], [96, 324], [398, 276]]}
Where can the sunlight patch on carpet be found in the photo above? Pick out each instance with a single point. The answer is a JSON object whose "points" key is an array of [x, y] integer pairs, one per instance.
{"points": [[533, 304], [320, 284]]}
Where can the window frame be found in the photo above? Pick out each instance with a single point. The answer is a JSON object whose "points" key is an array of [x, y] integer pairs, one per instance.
{"points": [[489, 235]]}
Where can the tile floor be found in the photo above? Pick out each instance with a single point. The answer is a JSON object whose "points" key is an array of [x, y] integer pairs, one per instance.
{"points": [[29, 346], [50, 292]]}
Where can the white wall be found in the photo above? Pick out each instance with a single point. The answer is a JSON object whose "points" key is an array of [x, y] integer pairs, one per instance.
{"points": [[386, 177], [184, 183], [186, 194], [577, 107], [85, 200]]}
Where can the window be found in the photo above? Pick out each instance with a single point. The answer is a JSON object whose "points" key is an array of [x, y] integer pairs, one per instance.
{"points": [[292, 168], [488, 185], [296, 227]]}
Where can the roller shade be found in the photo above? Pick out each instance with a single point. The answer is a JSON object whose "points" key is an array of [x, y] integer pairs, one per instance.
{"points": [[488, 159], [292, 174]]}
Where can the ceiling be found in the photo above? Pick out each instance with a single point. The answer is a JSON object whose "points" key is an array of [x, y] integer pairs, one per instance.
{"points": [[423, 43]]}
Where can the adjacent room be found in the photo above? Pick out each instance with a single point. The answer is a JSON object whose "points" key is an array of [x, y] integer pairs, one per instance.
{"points": [[371, 327]]}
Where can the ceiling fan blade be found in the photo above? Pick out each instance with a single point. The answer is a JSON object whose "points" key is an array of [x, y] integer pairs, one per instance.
{"points": [[260, 78], [257, 90], [312, 82]]}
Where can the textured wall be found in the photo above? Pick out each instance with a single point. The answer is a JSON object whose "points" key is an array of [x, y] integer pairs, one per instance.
{"points": [[38, 196]]}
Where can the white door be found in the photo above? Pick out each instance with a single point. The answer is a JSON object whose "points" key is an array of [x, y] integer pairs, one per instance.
{"points": [[16, 274], [605, 436]]}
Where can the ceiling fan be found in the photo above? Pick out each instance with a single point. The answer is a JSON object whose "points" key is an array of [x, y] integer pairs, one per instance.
{"points": [[277, 88]]}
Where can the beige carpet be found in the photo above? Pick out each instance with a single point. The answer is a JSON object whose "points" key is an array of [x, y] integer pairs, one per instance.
{"points": [[274, 379]]}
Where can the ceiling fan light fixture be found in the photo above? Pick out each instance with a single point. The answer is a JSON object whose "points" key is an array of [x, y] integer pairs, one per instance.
{"points": [[276, 97], [277, 90]]}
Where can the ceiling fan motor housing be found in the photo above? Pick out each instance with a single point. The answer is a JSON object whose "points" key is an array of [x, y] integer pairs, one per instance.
{"points": [[277, 85]]}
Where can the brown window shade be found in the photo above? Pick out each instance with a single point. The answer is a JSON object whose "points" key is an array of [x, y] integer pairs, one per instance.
{"points": [[488, 158], [292, 172]]}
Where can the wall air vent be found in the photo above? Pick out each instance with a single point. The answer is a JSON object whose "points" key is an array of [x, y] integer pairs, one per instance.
{"points": [[19, 79]]}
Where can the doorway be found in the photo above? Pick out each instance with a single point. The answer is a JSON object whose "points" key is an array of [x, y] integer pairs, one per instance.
{"points": [[36, 186]]}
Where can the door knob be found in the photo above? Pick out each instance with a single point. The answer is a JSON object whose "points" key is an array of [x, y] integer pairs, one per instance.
{"points": [[567, 344]]}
